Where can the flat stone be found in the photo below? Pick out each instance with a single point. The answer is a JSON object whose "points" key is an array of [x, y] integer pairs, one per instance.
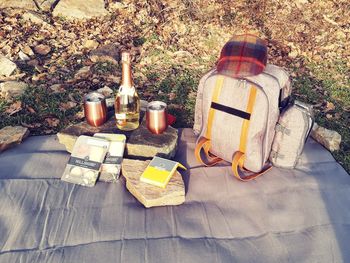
{"points": [[11, 89], [69, 135], [140, 143], [42, 49], [23, 56], [7, 67], [25, 4], [33, 17], [329, 139], [91, 44], [106, 53], [82, 72], [80, 9], [116, 5], [46, 5], [10, 136], [143, 143], [149, 195], [27, 50], [105, 91]]}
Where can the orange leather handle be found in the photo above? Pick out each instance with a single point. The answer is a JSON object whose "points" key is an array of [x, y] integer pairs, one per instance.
{"points": [[204, 144], [238, 168]]}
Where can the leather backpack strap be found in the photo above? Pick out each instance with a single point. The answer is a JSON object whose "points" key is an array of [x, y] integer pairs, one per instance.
{"points": [[204, 142], [239, 156], [238, 168]]}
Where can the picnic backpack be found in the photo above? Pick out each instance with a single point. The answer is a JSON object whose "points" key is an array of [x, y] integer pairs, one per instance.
{"points": [[292, 130], [237, 108]]}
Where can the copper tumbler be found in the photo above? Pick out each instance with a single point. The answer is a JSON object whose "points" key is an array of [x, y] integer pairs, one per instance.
{"points": [[156, 117], [95, 109]]}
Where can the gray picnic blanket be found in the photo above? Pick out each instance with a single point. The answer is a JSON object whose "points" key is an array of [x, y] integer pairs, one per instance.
{"points": [[300, 215]]}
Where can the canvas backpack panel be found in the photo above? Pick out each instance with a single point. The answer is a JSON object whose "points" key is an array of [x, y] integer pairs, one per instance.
{"points": [[238, 120], [273, 76], [292, 130], [284, 82]]}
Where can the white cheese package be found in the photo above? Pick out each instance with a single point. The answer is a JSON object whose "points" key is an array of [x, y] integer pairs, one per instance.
{"points": [[110, 170], [85, 162]]}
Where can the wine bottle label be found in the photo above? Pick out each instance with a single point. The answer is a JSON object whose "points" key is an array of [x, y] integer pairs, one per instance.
{"points": [[127, 91]]}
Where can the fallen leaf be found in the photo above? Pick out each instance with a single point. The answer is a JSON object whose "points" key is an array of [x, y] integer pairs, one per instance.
{"points": [[329, 116], [32, 125], [52, 122], [337, 116], [42, 49], [329, 106], [57, 88], [67, 105], [71, 97], [48, 131], [79, 115], [14, 107], [30, 109], [172, 95]]}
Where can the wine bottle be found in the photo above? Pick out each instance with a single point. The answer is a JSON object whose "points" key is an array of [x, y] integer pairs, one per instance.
{"points": [[127, 102]]}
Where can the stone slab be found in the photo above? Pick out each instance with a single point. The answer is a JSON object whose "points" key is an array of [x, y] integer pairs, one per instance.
{"points": [[149, 195], [106, 53], [69, 135], [26, 4], [11, 89], [141, 144], [80, 9], [7, 67], [12, 135], [329, 139]]}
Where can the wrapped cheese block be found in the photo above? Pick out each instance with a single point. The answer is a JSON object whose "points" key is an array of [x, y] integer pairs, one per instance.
{"points": [[85, 162], [110, 170]]}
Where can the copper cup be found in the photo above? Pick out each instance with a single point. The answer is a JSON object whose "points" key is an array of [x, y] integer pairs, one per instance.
{"points": [[156, 117], [95, 109]]}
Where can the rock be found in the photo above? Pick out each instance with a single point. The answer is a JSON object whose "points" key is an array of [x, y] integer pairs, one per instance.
{"points": [[13, 77], [46, 5], [106, 91], [82, 73], [42, 49], [10, 136], [143, 143], [293, 54], [57, 88], [6, 50], [116, 5], [33, 62], [106, 53], [69, 135], [328, 138], [33, 17], [140, 143], [80, 9], [25, 4], [91, 44], [149, 195], [28, 51], [7, 67], [301, 3], [11, 89], [23, 56]]}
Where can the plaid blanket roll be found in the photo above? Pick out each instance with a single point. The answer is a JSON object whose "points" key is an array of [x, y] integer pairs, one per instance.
{"points": [[243, 56]]}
